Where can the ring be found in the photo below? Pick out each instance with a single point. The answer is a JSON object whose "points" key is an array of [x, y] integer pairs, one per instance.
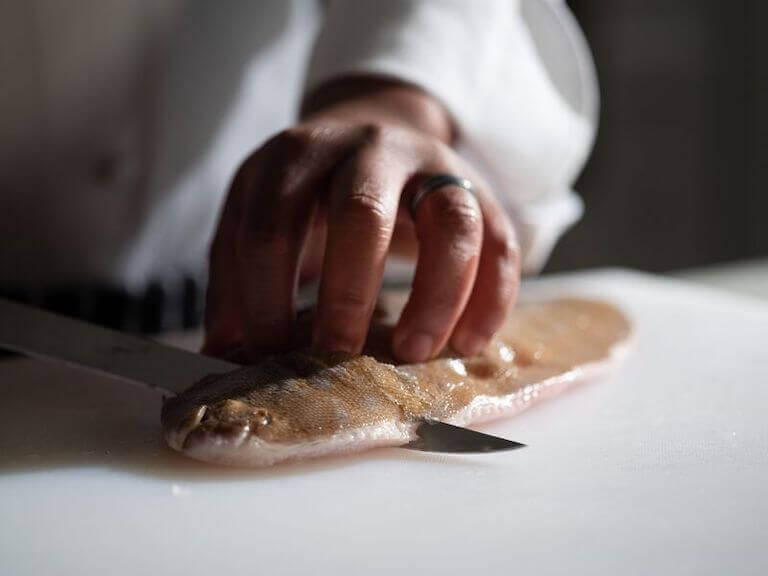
{"points": [[435, 183]]}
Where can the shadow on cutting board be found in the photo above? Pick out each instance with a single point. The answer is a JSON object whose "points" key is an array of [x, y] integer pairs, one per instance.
{"points": [[55, 417]]}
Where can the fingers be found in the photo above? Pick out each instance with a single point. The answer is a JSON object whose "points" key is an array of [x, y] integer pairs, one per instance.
{"points": [[449, 227], [496, 285], [223, 306], [258, 246], [253, 258], [362, 212], [467, 270], [271, 236]]}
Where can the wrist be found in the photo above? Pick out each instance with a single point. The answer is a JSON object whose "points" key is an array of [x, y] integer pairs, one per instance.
{"points": [[368, 99]]}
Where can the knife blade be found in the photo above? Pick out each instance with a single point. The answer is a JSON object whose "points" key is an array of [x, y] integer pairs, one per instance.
{"points": [[41, 334], [436, 436]]}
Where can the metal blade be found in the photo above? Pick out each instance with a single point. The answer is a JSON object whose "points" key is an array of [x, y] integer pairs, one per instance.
{"points": [[437, 436], [42, 334]]}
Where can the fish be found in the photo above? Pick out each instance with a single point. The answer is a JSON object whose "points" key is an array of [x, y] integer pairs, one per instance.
{"points": [[307, 404]]}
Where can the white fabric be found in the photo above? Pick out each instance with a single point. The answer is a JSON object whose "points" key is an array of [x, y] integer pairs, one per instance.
{"points": [[516, 76], [121, 123]]}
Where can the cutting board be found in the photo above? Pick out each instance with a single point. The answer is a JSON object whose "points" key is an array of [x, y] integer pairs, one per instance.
{"points": [[660, 468]]}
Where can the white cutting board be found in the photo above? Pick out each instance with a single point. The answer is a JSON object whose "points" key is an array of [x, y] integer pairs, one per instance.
{"points": [[660, 469]]}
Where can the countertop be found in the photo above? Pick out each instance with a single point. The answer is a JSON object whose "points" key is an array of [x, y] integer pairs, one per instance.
{"points": [[746, 277]]}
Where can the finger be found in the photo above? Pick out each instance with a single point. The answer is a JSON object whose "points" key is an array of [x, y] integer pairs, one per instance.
{"points": [[363, 207], [449, 229], [293, 173], [496, 285], [272, 231], [223, 306]]}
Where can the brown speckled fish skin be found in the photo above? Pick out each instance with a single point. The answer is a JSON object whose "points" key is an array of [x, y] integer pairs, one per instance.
{"points": [[301, 396], [305, 396]]}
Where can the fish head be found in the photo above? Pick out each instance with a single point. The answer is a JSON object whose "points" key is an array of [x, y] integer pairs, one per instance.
{"points": [[290, 402]]}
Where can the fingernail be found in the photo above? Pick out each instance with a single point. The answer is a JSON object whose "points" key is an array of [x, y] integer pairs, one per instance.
{"points": [[468, 343], [416, 347]]}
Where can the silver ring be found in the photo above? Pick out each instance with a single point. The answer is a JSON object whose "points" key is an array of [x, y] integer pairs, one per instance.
{"points": [[435, 183]]}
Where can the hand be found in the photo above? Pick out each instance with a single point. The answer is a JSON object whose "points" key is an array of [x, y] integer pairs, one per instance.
{"points": [[328, 198]]}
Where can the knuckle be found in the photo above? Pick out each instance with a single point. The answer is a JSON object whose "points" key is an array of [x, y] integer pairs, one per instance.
{"points": [[457, 214], [434, 152], [506, 252], [366, 208], [374, 133], [350, 305], [438, 151], [290, 144], [282, 159], [280, 195]]}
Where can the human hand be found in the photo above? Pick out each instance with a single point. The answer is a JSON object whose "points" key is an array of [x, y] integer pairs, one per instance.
{"points": [[329, 199]]}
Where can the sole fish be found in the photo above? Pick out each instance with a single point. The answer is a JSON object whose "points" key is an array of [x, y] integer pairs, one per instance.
{"points": [[304, 404]]}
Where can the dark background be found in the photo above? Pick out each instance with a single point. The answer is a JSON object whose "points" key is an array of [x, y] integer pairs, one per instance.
{"points": [[679, 173]]}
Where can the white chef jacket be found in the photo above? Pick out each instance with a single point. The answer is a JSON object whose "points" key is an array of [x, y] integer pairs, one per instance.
{"points": [[121, 123]]}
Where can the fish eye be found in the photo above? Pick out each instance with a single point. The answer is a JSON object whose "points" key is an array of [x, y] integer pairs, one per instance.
{"points": [[262, 417]]}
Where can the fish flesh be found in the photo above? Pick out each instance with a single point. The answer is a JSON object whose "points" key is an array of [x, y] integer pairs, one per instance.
{"points": [[307, 404]]}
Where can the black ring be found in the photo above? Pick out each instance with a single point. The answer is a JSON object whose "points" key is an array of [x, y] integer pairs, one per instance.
{"points": [[435, 183]]}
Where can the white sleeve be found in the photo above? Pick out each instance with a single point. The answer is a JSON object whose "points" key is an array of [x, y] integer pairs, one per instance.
{"points": [[516, 76]]}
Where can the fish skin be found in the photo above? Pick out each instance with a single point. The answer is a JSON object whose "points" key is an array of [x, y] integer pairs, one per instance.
{"points": [[306, 404]]}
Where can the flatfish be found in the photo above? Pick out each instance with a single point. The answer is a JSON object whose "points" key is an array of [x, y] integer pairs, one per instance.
{"points": [[306, 404]]}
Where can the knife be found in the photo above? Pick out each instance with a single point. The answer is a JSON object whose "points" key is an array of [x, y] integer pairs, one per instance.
{"points": [[46, 335]]}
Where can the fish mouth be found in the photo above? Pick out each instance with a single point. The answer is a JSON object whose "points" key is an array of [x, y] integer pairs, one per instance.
{"points": [[177, 430], [222, 437], [195, 430]]}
